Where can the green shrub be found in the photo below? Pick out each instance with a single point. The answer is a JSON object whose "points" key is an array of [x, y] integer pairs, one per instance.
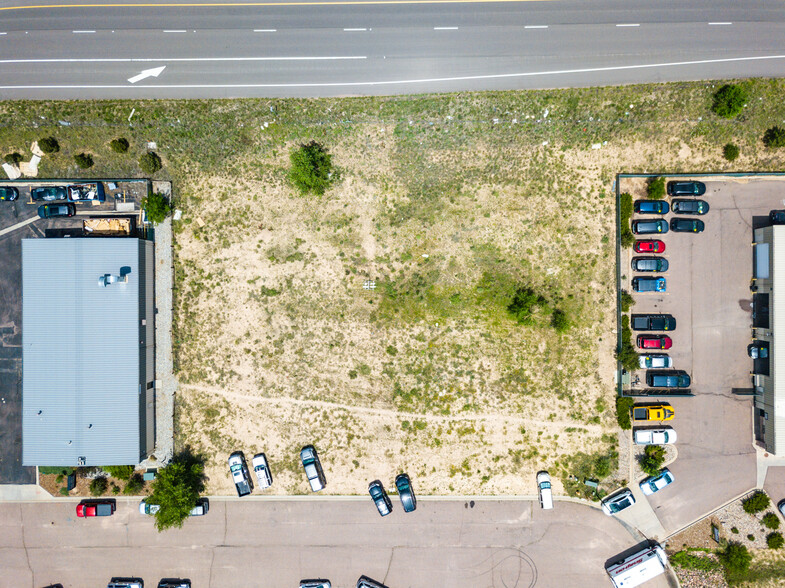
{"points": [[157, 207], [150, 162], [66, 471], [684, 559], [119, 145], [626, 354], [64, 491], [652, 459], [734, 530], [49, 145], [730, 152], [115, 488], [14, 158], [736, 558], [524, 303], [312, 168], [775, 540], [627, 301], [559, 321], [751, 537], [625, 214], [770, 521], [134, 485], [729, 100], [623, 408], [655, 190], [83, 160], [774, 137], [757, 502], [98, 486], [121, 472], [59, 479]]}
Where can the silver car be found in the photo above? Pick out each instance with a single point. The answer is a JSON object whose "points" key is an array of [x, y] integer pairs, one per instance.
{"points": [[618, 502]]}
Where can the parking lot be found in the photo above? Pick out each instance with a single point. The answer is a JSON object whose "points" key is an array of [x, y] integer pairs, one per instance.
{"points": [[14, 228], [708, 293]]}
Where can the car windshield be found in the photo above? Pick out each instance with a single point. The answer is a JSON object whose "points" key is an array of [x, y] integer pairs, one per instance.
{"points": [[545, 485], [236, 467]]}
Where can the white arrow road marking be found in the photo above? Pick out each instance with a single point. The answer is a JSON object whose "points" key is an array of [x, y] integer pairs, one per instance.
{"points": [[154, 72]]}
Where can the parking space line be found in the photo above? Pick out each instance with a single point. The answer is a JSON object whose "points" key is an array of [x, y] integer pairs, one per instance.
{"points": [[628, 25], [536, 27], [265, 30], [82, 32], [445, 28], [720, 24], [12, 228]]}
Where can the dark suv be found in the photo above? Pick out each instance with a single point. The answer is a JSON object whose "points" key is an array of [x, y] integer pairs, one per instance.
{"points": [[380, 498], [672, 379], [650, 264], [49, 193], [686, 188], [404, 486], [8, 193]]}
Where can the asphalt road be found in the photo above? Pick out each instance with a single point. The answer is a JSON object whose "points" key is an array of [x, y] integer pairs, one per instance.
{"points": [[382, 47], [242, 543]]}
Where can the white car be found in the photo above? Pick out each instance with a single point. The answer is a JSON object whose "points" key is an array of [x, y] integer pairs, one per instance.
{"points": [[148, 509], [201, 508], [664, 436], [656, 483], [618, 502], [262, 470], [654, 361], [544, 486]]}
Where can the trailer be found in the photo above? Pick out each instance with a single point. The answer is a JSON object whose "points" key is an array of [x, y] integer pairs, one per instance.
{"points": [[638, 568]]}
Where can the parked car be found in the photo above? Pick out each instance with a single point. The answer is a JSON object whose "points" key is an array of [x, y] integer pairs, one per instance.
{"points": [[262, 470], [366, 582], [654, 342], [201, 508], [544, 487], [649, 246], [649, 284], [758, 350], [125, 583], [55, 210], [405, 492], [147, 508], [617, 503], [174, 583], [651, 207], [689, 188], [653, 412], [654, 361], [313, 468], [239, 470], [781, 507], [656, 483], [8, 193], [671, 379], [664, 436], [653, 322], [687, 225], [645, 227], [776, 217], [380, 498], [649, 264], [95, 508], [315, 584], [49, 193], [687, 206]]}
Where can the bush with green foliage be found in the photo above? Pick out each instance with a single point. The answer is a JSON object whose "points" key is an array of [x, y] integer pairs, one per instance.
{"points": [[686, 560], [312, 168], [652, 459], [115, 489], [626, 354], [66, 471], [14, 158], [623, 408], [627, 301], [730, 152], [64, 491], [729, 100], [99, 485], [774, 137], [525, 302], [157, 207], [150, 162], [736, 558], [119, 145], [83, 160], [655, 189], [775, 540], [121, 472], [757, 502], [559, 321], [134, 485], [48, 145], [176, 489], [770, 521], [625, 214]]}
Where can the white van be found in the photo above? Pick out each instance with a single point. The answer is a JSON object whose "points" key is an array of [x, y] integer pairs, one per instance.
{"points": [[639, 567], [544, 486]]}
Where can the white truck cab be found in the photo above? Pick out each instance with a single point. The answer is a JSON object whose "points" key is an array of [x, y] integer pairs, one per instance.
{"points": [[638, 568]]}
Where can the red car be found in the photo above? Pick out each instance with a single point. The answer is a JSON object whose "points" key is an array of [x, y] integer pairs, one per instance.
{"points": [[649, 246], [654, 342], [95, 508]]}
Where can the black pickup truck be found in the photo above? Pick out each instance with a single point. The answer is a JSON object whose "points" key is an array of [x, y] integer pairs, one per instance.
{"points": [[653, 322]]}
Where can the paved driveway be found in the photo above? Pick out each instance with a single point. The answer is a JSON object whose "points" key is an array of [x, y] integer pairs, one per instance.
{"points": [[242, 543]]}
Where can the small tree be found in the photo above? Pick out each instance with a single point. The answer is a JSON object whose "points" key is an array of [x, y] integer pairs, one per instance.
{"points": [[150, 162], [49, 145], [774, 137], [134, 485], [121, 472], [14, 158], [652, 459], [655, 190], [312, 168], [757, 502], [119, 145], [98, 486], [736, 558], [157, 207], [559, 321], [524, 303], [730, 152], [176, 489], [84, 160], [775, 540], [627, 301], [623, 408], [625, 213], [770, 521], [729, 100]]}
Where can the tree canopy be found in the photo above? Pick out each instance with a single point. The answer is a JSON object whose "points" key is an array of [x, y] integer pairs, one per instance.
{"points": [[176, 489]]}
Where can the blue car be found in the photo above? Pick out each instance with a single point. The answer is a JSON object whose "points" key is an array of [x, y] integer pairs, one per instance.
{"points": [[648, 284], [651, 207]]}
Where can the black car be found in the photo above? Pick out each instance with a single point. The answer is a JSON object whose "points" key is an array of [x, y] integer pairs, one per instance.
{"points": [[380, 498], [53, 210], [405, 492], [776, 217], [646, 227], [686, 188], [650, 264], [668, 379], [653, 322], [49, 193], [8, 193], [687, 225], [366, 582], [651, 207], [174, 583], [687, 206]]}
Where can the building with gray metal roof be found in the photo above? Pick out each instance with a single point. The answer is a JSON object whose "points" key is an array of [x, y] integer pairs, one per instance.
{"points": [[88, 351]]}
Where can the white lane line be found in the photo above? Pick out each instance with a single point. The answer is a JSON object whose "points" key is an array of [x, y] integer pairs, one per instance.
{"points": [[353, 30], [389, 82], [720, 24], [445, 28], [82, 32], [536, 27], [181, 59], [3, 34], [628, 25], [265, 30], [175, 31]]}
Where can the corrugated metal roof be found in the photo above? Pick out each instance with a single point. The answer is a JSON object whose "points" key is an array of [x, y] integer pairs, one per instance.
{"points": [[777, 322], [81, 352]]}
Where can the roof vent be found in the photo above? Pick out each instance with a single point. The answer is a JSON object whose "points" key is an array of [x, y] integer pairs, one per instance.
{"points": [[109, 279], [81, 461]]}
